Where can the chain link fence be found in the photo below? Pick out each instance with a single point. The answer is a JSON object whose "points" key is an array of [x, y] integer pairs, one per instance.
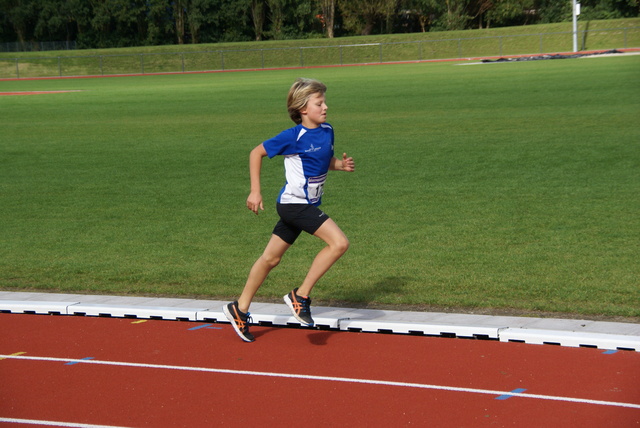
{"points": [[308, 56], [37, 46]]}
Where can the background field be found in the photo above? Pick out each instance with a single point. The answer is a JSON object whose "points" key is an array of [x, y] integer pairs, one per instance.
{"points": [[526, 39], [478, 187]]}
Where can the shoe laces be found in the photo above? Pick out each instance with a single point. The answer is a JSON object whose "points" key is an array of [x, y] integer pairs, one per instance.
{"points": [[305, 305], [248, 320]]}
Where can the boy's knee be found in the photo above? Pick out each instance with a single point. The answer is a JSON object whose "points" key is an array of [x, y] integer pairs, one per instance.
{"points": [[342, 246], [271, 261]]}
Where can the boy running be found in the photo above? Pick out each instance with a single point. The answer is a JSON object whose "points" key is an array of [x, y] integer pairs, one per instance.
{"points": [[308, 156]]}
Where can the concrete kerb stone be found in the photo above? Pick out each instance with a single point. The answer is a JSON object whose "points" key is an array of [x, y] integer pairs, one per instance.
{"points": [[563, 332]]}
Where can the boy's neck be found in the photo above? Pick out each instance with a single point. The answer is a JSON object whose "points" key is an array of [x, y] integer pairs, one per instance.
{"points": [[310, 125]]}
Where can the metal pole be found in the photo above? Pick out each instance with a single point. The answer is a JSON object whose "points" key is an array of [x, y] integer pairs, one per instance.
{"points": [[575, 26], [541, 48], [625, 37]]}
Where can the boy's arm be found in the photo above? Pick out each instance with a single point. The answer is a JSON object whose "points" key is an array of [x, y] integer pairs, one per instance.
{"points": [[254, 201], [346, 164]]}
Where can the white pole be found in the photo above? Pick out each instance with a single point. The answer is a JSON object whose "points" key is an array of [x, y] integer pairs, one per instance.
{"points": [[575, 26]]}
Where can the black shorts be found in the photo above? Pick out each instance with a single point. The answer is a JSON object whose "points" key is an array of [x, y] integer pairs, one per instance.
{"points": [[294, 218]]}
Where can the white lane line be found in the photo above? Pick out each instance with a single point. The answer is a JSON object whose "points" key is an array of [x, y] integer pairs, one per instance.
{"points": [[329, 379], [53, 423]]}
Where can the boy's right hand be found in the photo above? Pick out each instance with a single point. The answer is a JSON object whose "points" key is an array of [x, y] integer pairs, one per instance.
{"points": [[254, 202]]}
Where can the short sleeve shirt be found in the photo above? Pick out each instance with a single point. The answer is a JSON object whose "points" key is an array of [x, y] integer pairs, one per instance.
{"points": [[307, 156]]}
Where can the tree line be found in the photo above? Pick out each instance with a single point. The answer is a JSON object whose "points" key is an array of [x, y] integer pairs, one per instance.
{"points": [[122, 23]]}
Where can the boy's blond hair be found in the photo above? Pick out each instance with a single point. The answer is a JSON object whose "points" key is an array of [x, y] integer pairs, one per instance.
{"points": [[299, 94]]}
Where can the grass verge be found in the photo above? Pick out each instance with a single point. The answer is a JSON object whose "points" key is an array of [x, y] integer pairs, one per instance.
{"points": [[484, 187]]}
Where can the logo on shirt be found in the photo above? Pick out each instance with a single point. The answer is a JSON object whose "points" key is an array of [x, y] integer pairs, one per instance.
{"points": [[312, 149]]}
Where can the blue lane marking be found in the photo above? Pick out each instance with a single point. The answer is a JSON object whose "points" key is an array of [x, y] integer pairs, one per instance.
{"points": [[205, 326], [70, 363], [610, 351], [515, 391], [200, 326]]}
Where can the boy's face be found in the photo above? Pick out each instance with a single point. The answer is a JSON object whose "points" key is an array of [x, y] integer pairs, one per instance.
{"points": [[315, 112]]}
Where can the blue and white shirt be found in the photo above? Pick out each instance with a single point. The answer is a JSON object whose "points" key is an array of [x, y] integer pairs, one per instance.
{"points": [[307, 156]]}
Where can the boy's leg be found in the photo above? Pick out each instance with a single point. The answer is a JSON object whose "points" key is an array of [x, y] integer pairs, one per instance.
{"points": [[269, 259], [337, 245]]}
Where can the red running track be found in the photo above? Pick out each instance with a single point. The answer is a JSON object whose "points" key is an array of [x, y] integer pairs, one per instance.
{"points": [[150, 373]]}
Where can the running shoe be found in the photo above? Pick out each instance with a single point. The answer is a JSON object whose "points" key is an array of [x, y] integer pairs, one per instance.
{"points": [[299, 307], [239, 320]]}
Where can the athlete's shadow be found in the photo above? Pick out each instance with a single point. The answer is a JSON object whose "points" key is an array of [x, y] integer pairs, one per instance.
{"points": [[320, 338], [316, 337]]}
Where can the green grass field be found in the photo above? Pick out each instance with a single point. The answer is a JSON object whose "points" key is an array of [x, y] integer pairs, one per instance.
{"points": [[526, 39], [479, 187]]}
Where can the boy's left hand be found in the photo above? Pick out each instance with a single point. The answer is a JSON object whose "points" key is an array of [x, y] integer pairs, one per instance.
{"points": [[347, 163]]}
